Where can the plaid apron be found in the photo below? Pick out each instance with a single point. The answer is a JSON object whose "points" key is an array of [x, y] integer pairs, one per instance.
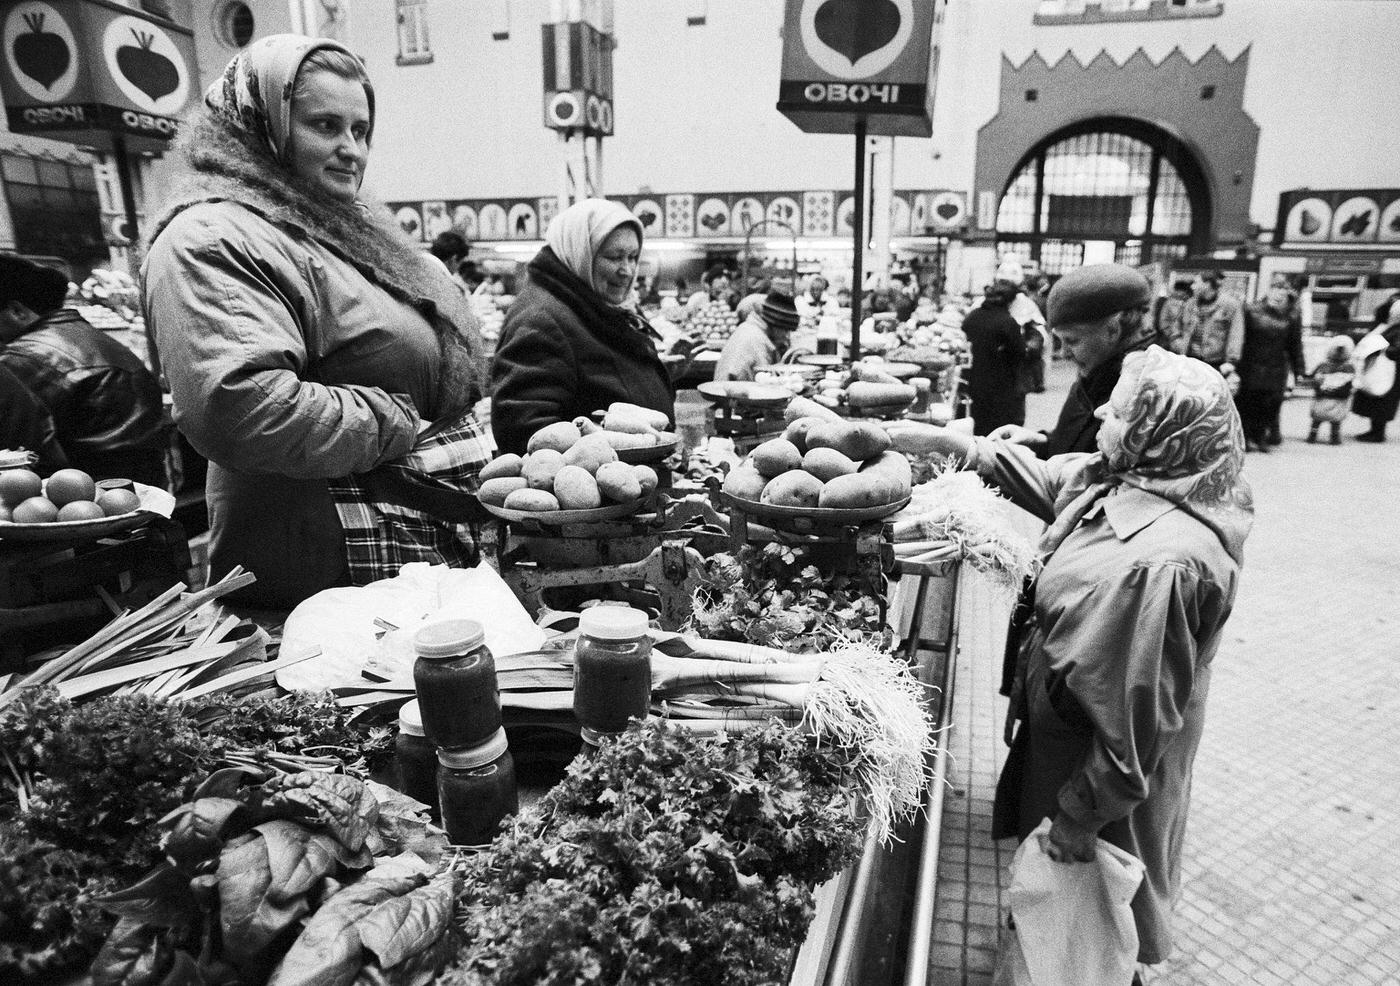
{"points": [[421, 507]]}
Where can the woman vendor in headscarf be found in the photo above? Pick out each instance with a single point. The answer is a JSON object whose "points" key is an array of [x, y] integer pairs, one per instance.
{"points": [[572, 344], [1141, 561], [318, 359]]}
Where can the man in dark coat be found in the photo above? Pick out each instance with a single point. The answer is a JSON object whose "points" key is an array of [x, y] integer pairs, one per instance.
{"points": [[105, 404], [26, 424], [1273, 343], [998, 348], [1099, 315]]}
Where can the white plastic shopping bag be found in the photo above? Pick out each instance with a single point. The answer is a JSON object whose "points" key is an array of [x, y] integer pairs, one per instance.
{"points": [[350, 625], [1074, 924]]}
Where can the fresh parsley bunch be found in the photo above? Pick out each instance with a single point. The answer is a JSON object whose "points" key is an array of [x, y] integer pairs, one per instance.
{"points": [[667, 858]]}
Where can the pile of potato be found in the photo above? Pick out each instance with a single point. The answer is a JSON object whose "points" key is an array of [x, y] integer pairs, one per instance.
{"points": [[573, 465], [865, 390], [823, 463]]}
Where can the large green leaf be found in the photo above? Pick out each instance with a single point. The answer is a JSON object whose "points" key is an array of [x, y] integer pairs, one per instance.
{"points": [[407, 925], [341, 805], [132, 955], [299, 857], [251, 924], [161, 899], [329, 951]]}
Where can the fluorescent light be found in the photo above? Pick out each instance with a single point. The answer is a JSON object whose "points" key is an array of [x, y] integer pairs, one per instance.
{"points": [[523, 246]]}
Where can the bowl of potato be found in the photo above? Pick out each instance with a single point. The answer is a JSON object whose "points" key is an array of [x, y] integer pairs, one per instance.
{"points": [[821, 470], [566, 476]]}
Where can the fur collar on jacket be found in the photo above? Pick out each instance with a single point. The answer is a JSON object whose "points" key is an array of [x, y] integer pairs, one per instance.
{"points": [[222, 167]]}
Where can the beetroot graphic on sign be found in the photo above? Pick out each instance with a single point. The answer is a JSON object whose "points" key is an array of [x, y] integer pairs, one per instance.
{"points": [[147, 70], [855, 39], [39, 54], [856, 29], [947, 210]]}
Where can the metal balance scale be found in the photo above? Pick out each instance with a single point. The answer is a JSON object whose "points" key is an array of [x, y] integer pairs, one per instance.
{"points": [[649, 560], [746, 413]]}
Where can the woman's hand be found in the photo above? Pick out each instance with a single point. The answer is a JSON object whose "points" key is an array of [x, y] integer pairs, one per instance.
{"points": [[1070, 842], [1018, 435]]}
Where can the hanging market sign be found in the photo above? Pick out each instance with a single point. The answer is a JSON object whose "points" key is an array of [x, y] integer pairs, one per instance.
{"points": [[844, 59], [692, 215], [81, 70], [1308, 217], [578, 78]]}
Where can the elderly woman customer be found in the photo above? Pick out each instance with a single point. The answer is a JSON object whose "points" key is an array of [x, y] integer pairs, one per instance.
{"points": [[572, 343], [324, 365], [1141, 562]]}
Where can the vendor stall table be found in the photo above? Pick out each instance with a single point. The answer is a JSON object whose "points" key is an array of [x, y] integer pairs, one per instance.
{"points": [[61, 591]]}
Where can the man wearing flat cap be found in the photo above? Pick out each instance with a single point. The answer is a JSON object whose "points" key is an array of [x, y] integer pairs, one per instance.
{"points": [[759, 340], [1099, 314]]}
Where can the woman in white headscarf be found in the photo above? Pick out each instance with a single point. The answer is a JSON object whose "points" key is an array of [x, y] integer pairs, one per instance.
{"points": [[572, 342], [1140, 565]]}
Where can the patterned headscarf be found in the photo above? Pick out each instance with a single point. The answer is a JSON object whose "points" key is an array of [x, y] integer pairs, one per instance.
{"points": [[577, 233], [1179, 437], [254, 94]]}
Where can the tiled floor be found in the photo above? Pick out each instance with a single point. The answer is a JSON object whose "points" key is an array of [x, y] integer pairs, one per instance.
{"points": [[1292, 865]]}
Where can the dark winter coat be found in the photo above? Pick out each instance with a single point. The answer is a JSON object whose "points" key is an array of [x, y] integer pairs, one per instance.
{"points": [[997, 351], [26, 424], [565, 352], [106, 405], [1273, 342]]}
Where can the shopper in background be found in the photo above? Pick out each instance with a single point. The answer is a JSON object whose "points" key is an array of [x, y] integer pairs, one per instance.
{"points": [[1273, 343], [1170, 314], [1099, 315], [1212, 324], [760, 340], [812, 302], [105, 404], [1030, 377], [570, 345], [450, 250], [1370, 401], [25, 423], [998, 349], [715, 286], [1141, 563], [1332, 385], [327, 393]]}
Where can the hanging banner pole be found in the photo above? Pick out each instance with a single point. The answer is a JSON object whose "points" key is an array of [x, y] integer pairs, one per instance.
{"points": [[858, 221]]}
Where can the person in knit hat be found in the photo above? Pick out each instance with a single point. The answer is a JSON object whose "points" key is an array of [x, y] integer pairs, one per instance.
{"points": [[1099, 315], [759, 340]]}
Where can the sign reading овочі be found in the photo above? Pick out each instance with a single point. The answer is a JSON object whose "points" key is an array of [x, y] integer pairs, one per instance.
{"points": [[81, 70], [844, 59]]}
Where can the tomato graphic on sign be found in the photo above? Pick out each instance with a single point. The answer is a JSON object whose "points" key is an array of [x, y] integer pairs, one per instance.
{"points": [[146, 65], [40, 48], [855, 39]]}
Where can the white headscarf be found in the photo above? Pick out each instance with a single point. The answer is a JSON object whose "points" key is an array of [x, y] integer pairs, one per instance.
{"points": [[578, 232]]}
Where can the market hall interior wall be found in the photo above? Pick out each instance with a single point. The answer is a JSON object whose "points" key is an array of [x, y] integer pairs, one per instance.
{"points": [[1321, 84], [695, 106]]}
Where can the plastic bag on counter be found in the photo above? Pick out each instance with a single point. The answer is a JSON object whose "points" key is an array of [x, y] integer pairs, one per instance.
{"points": [[1073, 920], [372, 626]]}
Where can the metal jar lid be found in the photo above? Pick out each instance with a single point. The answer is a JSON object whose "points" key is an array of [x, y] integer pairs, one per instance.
{"points": [[475, 756], [612, 623], [448, 638], [411, 719]]}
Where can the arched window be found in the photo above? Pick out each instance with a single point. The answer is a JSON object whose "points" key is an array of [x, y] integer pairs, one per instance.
{"points": [[1121, 182]]}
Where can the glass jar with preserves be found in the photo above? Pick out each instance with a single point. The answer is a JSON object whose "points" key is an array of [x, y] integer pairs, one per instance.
{"points": [[476, 789], [455, 678], [415, 759], [612, 669]]}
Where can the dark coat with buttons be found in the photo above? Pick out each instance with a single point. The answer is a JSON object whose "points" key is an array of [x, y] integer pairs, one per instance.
{"points": [[565, 352]]}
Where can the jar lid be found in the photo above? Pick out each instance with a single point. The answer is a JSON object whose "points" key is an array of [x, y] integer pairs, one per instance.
{"points": [[475, 756], [448, 638], [612, 623], [411, 718], [17, 459]]}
